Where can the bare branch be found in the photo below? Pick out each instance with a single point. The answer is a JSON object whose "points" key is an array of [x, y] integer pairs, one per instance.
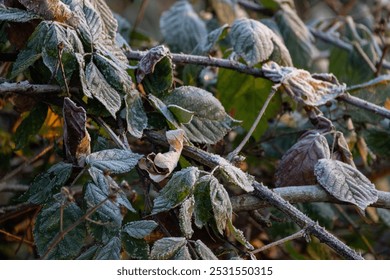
{"points": [[299, 234], [204, 61], [298, 194], [256, 72]]}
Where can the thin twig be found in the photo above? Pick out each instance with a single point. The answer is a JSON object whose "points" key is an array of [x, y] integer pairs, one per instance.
{"points": [[112, 134], [60, 51], [364, 56], [237, 150], [5, 187], [25, 164], [361, 103], [16, 237], [62, 234], [140, 16], [382, 60], [299, 234]]}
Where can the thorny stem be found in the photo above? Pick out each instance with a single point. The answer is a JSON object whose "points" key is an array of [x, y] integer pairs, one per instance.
{"points": [[299, 234], [237, 150], [264, 193]]}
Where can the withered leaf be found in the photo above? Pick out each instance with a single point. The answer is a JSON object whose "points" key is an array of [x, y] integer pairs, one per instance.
{"points": [[341, 151], [76, 137], [149, 61], [51, 10], [345, 183], [161, 165], [297, 165], [304, 88]]}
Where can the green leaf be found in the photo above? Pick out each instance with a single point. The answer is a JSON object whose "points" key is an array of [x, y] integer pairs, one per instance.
{"points": [[239, 235], [166, 248], [113, 160], [47, 184], [110, 251], [100, 89], [252, 40], [185, 217], [220, 203], [163, 109], [114, 74], [58, 35], [155, 71], [245, 95], [182, 28], [297, 37], [140, 229], [109, 187], [236, 177], [192, 71], [136, 248], [30, 125], [378, 95], [348, 66], [136, 117], [47, 228], [33, 50], [16, 15], [89, 254], [109, 212], [378, 141], [202, 208], [178, 188], [203, 251], [210, 122], [82, 76], [204, 47], [182, 115], [182, 254]]}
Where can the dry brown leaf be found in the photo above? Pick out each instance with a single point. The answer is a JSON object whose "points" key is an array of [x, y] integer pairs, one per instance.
{"points": [[76, 137], [51, 10], [345, 183], [304, 88], [297, 165], [161, 165], [341, 150]]}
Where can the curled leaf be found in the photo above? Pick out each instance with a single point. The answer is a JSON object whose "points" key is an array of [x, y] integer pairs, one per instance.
{"points": [[297, 165], [148, 63], [304, 88], [342, 152], [345, 183], [76, 137], [161, 165], [51, 10]]}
